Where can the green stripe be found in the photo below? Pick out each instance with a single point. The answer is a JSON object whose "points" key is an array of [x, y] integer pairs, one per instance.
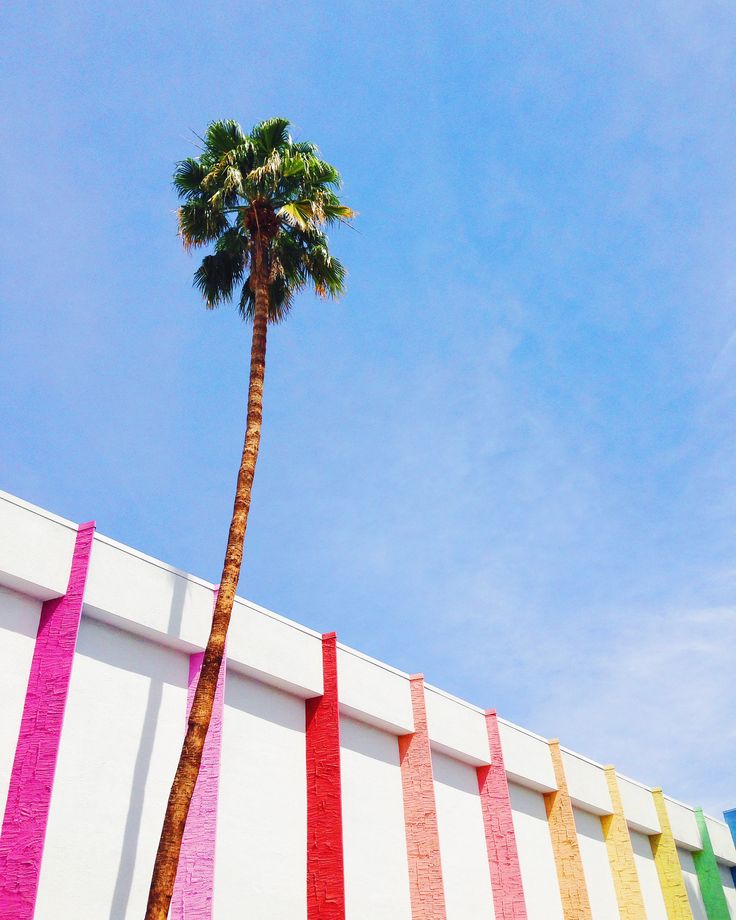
{"points": [[709, 877]]}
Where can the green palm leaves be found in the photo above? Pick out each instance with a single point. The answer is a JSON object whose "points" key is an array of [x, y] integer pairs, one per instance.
{"points": [[263, 200]]}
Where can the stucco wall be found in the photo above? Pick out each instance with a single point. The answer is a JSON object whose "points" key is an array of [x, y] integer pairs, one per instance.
{"points": [[648, 878], [537, 862], [596, 866], [141, 626], [691, 884], [462, 839], [118, 751], [18, 624], [376, 872]]}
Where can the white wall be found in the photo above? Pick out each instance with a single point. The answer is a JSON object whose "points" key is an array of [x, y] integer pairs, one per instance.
{"points": [[648, 877], [18, 624], [596, 866], [374, 840], [122, 734], [465, 870], [538, 872], [728, 887], [691, 884], [262, 818]]}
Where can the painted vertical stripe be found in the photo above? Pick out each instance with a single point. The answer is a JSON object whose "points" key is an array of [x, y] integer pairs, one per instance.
{"points": [[621, 855], [565, 845], [34, 766], [498, 822], [195, 877], [325, 862], [420, 814], [664, 851], [709, 877], [730, 818]]}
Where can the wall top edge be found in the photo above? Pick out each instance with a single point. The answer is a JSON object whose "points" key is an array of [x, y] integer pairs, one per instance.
{"points": [[526, 731], [454, 699], [151, 560], [35, 509], [674, 801], [374, 661], [201, 582], [271, 614], [634, 782], [579, 756]]}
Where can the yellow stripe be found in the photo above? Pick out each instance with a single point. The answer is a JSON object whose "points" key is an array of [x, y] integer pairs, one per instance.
{"points": [[621, 855], [573, 892], [664, 850]]}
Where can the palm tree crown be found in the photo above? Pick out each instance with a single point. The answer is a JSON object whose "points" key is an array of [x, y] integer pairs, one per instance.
{"points": [[263, 200]]}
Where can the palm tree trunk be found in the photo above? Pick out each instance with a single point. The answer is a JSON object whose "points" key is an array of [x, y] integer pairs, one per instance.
{"points": [[185, 778]]}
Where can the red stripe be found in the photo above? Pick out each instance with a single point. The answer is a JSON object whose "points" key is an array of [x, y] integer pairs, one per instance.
{"points": [[420, 814], [325, 863], [34, 766], [503, 857]]}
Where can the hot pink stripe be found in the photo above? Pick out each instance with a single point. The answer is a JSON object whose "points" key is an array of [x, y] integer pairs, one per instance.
{"points": [[32, 776], [426, 886], [503, 857], [195, 878]]}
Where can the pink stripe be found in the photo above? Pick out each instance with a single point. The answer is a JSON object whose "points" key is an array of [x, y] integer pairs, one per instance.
{"points": [[503, 857], [195, 878], [32, 776], [325, 863], [426, 886]]}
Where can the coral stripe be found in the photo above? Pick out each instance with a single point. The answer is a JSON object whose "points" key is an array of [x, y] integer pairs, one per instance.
{"points": [[664, 851], [565, 846], [503, 857], [621, 855], [195, 878], [709, 877], [420, 814], [325, 863], [32, 777]]}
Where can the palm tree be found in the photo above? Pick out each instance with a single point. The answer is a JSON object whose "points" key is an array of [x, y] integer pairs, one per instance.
{"points": [[264, 201]]}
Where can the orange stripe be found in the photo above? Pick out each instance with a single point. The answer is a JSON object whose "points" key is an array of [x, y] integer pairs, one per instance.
{"points": [[569, 863]]}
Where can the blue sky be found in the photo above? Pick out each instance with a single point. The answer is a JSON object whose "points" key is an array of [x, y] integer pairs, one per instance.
{"points": [[506, 458]]}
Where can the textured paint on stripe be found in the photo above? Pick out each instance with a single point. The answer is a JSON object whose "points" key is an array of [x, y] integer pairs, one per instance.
{"points": [[730, 817], [621, 855], [709, 878], [195, 877], [565, 845], [325, 863], [669, 870], [503, 857], [420, 814], [32, 776]]}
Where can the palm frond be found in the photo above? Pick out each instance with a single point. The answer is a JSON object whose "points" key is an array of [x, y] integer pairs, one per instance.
{"points": [[200, 224], [188, 177], [271, 134], [218, 275], [222, 137]]}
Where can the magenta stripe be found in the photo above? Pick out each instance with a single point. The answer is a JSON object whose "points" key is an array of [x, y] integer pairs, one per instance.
{"points": [[195, 879], [32, 776], [503, 858]]}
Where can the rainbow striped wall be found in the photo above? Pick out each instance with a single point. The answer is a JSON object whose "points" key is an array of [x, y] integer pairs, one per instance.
{"points": [[333, 786]]}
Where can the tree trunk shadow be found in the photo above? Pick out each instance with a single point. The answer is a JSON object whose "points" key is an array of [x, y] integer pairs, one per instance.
{"points": [[131, 835]]}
